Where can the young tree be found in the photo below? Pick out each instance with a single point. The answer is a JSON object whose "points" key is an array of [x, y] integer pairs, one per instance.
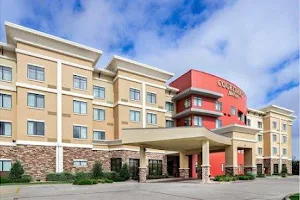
{"points": [[124, 172], [16, 171], [97, 170]]}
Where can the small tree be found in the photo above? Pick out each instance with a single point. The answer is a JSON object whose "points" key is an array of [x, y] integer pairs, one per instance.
{"points": [[295, 166], [284, 170], [16, 171], [124, 172], [97, 170]]}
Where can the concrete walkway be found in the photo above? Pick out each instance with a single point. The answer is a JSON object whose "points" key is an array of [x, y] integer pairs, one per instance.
{"points": [[268, 188]]}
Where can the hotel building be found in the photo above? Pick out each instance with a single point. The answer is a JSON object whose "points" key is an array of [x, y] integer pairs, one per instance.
{"points": [[60, 113]]}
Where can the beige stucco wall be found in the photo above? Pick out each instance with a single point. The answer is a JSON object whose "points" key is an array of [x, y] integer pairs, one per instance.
{"points": [[140, 78], [107, 125]]}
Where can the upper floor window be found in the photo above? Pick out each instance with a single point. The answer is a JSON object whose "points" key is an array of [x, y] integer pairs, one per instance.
{"points": [[259, 138], [5, 128], [135, 115], [274, 125], [80, 132], [197, 121], [218, 106], [284, 139], [218, 123], [35, 100], [274, 151], [169, 106], [169, 123], [99, 114], [99, 135], [134, 94], [79, 82], [197, 101], [259, 151], [233, 110], [248, 122], [79, 107], [151, 97], [259, 124], [5, 101], [187, 103], [35, 73], [99, 92], [5, 165], [187, 121], [151, 118], [274, 138], [35, 128], [5, 73], [283, 127], [284, 151]]}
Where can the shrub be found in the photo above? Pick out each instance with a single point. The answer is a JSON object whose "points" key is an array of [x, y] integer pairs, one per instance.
{"points": [[97, 170], [82, 175], [85, 182], [283, 170], [295, 166], [124, 172], [63, 176], [251, 175], [110, 175], [225, 178], [105, 180], [26, 178], [283, 175], [4, 180], [16, 172], [243, 177]]}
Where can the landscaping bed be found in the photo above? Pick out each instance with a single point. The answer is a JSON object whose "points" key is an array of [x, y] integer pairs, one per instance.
{"points": [[228, 178]]}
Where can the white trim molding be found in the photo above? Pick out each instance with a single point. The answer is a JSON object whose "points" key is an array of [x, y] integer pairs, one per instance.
{"points": [[97, 103], [37, 143], [88, 146], [2, 143], [34, 87], [9, 88]]}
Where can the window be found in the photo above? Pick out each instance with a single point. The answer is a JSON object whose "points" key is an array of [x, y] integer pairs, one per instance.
{"points": [[233, 110], [259, 151], [134, 116], [169, 123], [274, 151], [5, 165], [35, 73], [218, 123], [155, 167], [197, 121], [169, 106], [274, 138], [80, 132], [5, 73], [218, 106], [35, 128], [99, 114], [197, 101], [99, 92], [240, 168], [134, 165], [99, 135], [187, 103], [80, 163], [240, 116], [79, 82], [283, 127], [151, 97], [115, 164], [248, 122], [79, 107], [275, 168], [284, 152], [259, 168], [35, 100], [284, 139], [187, 121], [259, 138], [134, 94], [274, 125], [5, 128], [151, 118], [5, 101], [259, 124]]}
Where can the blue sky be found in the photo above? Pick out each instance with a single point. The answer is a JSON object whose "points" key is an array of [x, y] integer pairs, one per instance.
{"points": [[253, 43]]}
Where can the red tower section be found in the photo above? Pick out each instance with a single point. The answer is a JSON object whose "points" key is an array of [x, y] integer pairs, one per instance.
{"points": [[210, 101]]}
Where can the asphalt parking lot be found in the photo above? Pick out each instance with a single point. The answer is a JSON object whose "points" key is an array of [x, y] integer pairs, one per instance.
{"points": [[269, 188]]}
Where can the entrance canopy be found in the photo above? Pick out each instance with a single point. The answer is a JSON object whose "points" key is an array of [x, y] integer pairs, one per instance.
{"points": [[174, 139]]}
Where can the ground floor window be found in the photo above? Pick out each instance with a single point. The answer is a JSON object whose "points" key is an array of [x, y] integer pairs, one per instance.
{"points": [[80, 163], [5, 165], [241, 168], [275, 169], [259, 168], [115, 164], [134, 167], [155, 167]]}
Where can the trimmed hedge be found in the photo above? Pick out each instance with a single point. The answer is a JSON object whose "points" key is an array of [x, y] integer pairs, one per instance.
{"points": [[86, 182], [63, 176], [225, 178], [105, 180], [251, 175], [82, 175]]}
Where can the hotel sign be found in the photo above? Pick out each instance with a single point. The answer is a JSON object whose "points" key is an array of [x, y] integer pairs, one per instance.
{"points": [[232, 90]]}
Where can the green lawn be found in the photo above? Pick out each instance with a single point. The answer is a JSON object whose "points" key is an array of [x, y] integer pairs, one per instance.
{"points": [[294, 196]]}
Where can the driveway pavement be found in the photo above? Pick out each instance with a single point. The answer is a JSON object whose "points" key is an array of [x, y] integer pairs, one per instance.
{"points": [[269, 188]]}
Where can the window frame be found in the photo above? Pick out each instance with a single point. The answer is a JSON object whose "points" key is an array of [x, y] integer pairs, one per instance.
{"points": [[170, 105], [155, 167], [2, 69], [115, 164], [284, 151], [135, 116], [233, 109], [284, 139], [220, 124], [274, 138], [80, 82], [35, 127], [189, 120], [218, 106], [1, 165], [196, 100], [152, 122], [152, 96], [259, 124], [135, 93], [274, 123], [284, 127], [201, 121], [274, 151], [100, 89], [35, 96], [80, 126], [260, 153], [35, 68], [80, 102], [248, 122], [80, 161], [172, 122], [187, 103], [2, 128], [2, 95], [99, 114], [259, 136], [102, 133]]}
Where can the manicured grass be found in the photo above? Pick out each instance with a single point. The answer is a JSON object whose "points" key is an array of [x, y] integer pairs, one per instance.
{"points": [[295, 197], [39, 183]]}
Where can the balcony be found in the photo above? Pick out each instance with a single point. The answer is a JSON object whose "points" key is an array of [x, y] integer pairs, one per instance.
{"points": [[198, 111]]}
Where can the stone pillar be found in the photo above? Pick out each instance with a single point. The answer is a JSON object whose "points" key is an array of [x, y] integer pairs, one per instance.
{"points": [[249, 161], [143, 165], [199, 165], [205, 167], [231, 167], [184, 171]]}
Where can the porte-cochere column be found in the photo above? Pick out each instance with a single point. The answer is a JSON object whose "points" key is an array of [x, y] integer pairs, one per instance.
{"points": [[184, 170], [205, 162], [249, 160], [231, 167], [143, 165]]}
